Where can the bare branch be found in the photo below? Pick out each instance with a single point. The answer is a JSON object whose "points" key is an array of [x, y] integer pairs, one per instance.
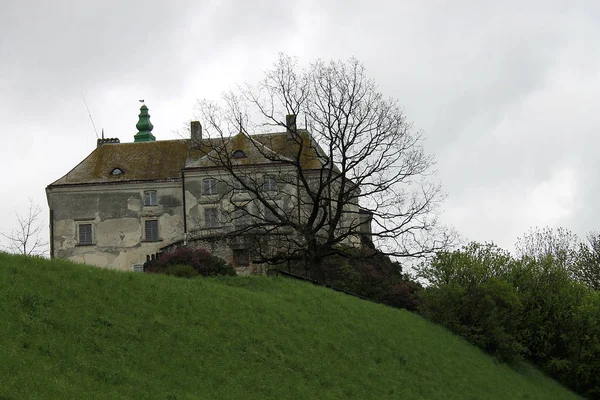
{"points": [[25, 238], [359, 158]]}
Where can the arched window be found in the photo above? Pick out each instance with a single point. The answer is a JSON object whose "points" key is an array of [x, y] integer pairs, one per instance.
{"points": [[238, 154], [116, 171]]}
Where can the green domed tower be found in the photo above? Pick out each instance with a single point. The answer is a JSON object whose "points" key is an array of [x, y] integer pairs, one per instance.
{"points": [[144, 127]]}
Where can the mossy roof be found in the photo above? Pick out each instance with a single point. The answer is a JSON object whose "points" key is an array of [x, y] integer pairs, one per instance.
{"points": [[142, 161], [262, 149], [164, 160]]}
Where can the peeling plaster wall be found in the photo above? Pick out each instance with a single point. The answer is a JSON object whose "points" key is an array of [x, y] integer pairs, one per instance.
{"points": [[118, 216], [286, 199], [197, 202]]}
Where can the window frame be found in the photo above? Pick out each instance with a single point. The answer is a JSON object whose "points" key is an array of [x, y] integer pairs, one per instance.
{"points": [[215, 223], [212, 188], [238, 154], [146, 230], [238, 254], [150, 198], [238, 186], [79, 224], [272, 186]]}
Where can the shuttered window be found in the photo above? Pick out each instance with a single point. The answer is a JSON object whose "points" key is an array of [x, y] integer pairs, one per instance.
{"points": [[241, 258], [85, 233], [238, 186], [211, 218], [151, 230], [270, 184], [150, 198], [209, 186]]}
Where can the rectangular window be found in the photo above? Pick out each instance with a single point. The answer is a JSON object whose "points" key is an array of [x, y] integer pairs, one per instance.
{"points": [[241, 218], [211, 217], [150, 198], [270, 184], [209, 186], [241, 258], [84, 232], [238, 187], [151, 230], [138, 268]]}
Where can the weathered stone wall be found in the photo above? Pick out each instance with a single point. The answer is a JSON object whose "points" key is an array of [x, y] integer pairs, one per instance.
{"points": [[117, 215], [197, 202]]}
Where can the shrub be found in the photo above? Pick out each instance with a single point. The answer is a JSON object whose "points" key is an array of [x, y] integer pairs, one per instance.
{"points": [[488, 315], [200, 260], [444, 305], [495, 311], [470, 266], [403, 295], [531, 306], [367, 273], [181, 271]]}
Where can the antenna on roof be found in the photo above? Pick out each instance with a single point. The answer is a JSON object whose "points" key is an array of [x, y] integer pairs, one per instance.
{"points": [[90, 114]]}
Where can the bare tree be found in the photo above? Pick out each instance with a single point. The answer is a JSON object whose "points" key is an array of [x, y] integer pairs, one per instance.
{"points": [[560, 243], [356, 171], [25, 238]]}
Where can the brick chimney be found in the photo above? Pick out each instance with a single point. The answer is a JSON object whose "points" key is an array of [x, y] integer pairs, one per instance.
{"points": [[196, 132], [103, 141], [290, 122]]}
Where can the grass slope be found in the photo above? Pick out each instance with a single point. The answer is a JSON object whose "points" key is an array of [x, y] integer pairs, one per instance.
{"points": [[72, 331]]}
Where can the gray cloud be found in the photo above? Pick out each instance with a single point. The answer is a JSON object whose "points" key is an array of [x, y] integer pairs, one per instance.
{"points": [[505, 92]]}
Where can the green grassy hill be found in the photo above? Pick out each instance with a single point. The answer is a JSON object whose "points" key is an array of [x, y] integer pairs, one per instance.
{"points": [[71, 331]]}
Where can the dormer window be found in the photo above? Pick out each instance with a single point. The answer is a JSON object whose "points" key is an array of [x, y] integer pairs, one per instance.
{"points": [[116, 171], [238, 154]]}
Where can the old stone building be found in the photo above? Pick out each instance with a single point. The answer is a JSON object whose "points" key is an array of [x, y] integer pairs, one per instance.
{"points": [[128, 201]]}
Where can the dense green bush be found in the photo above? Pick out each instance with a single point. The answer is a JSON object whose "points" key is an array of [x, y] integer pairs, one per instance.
{"points": [[403, 294], [488, 315], [533, 306], [367, 273], [470, 266], [200, 260], [495, 311], [181, 271], [443, 304]]}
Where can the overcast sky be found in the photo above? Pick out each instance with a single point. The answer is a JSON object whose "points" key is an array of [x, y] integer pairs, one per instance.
{"points": [[505, 92]]}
